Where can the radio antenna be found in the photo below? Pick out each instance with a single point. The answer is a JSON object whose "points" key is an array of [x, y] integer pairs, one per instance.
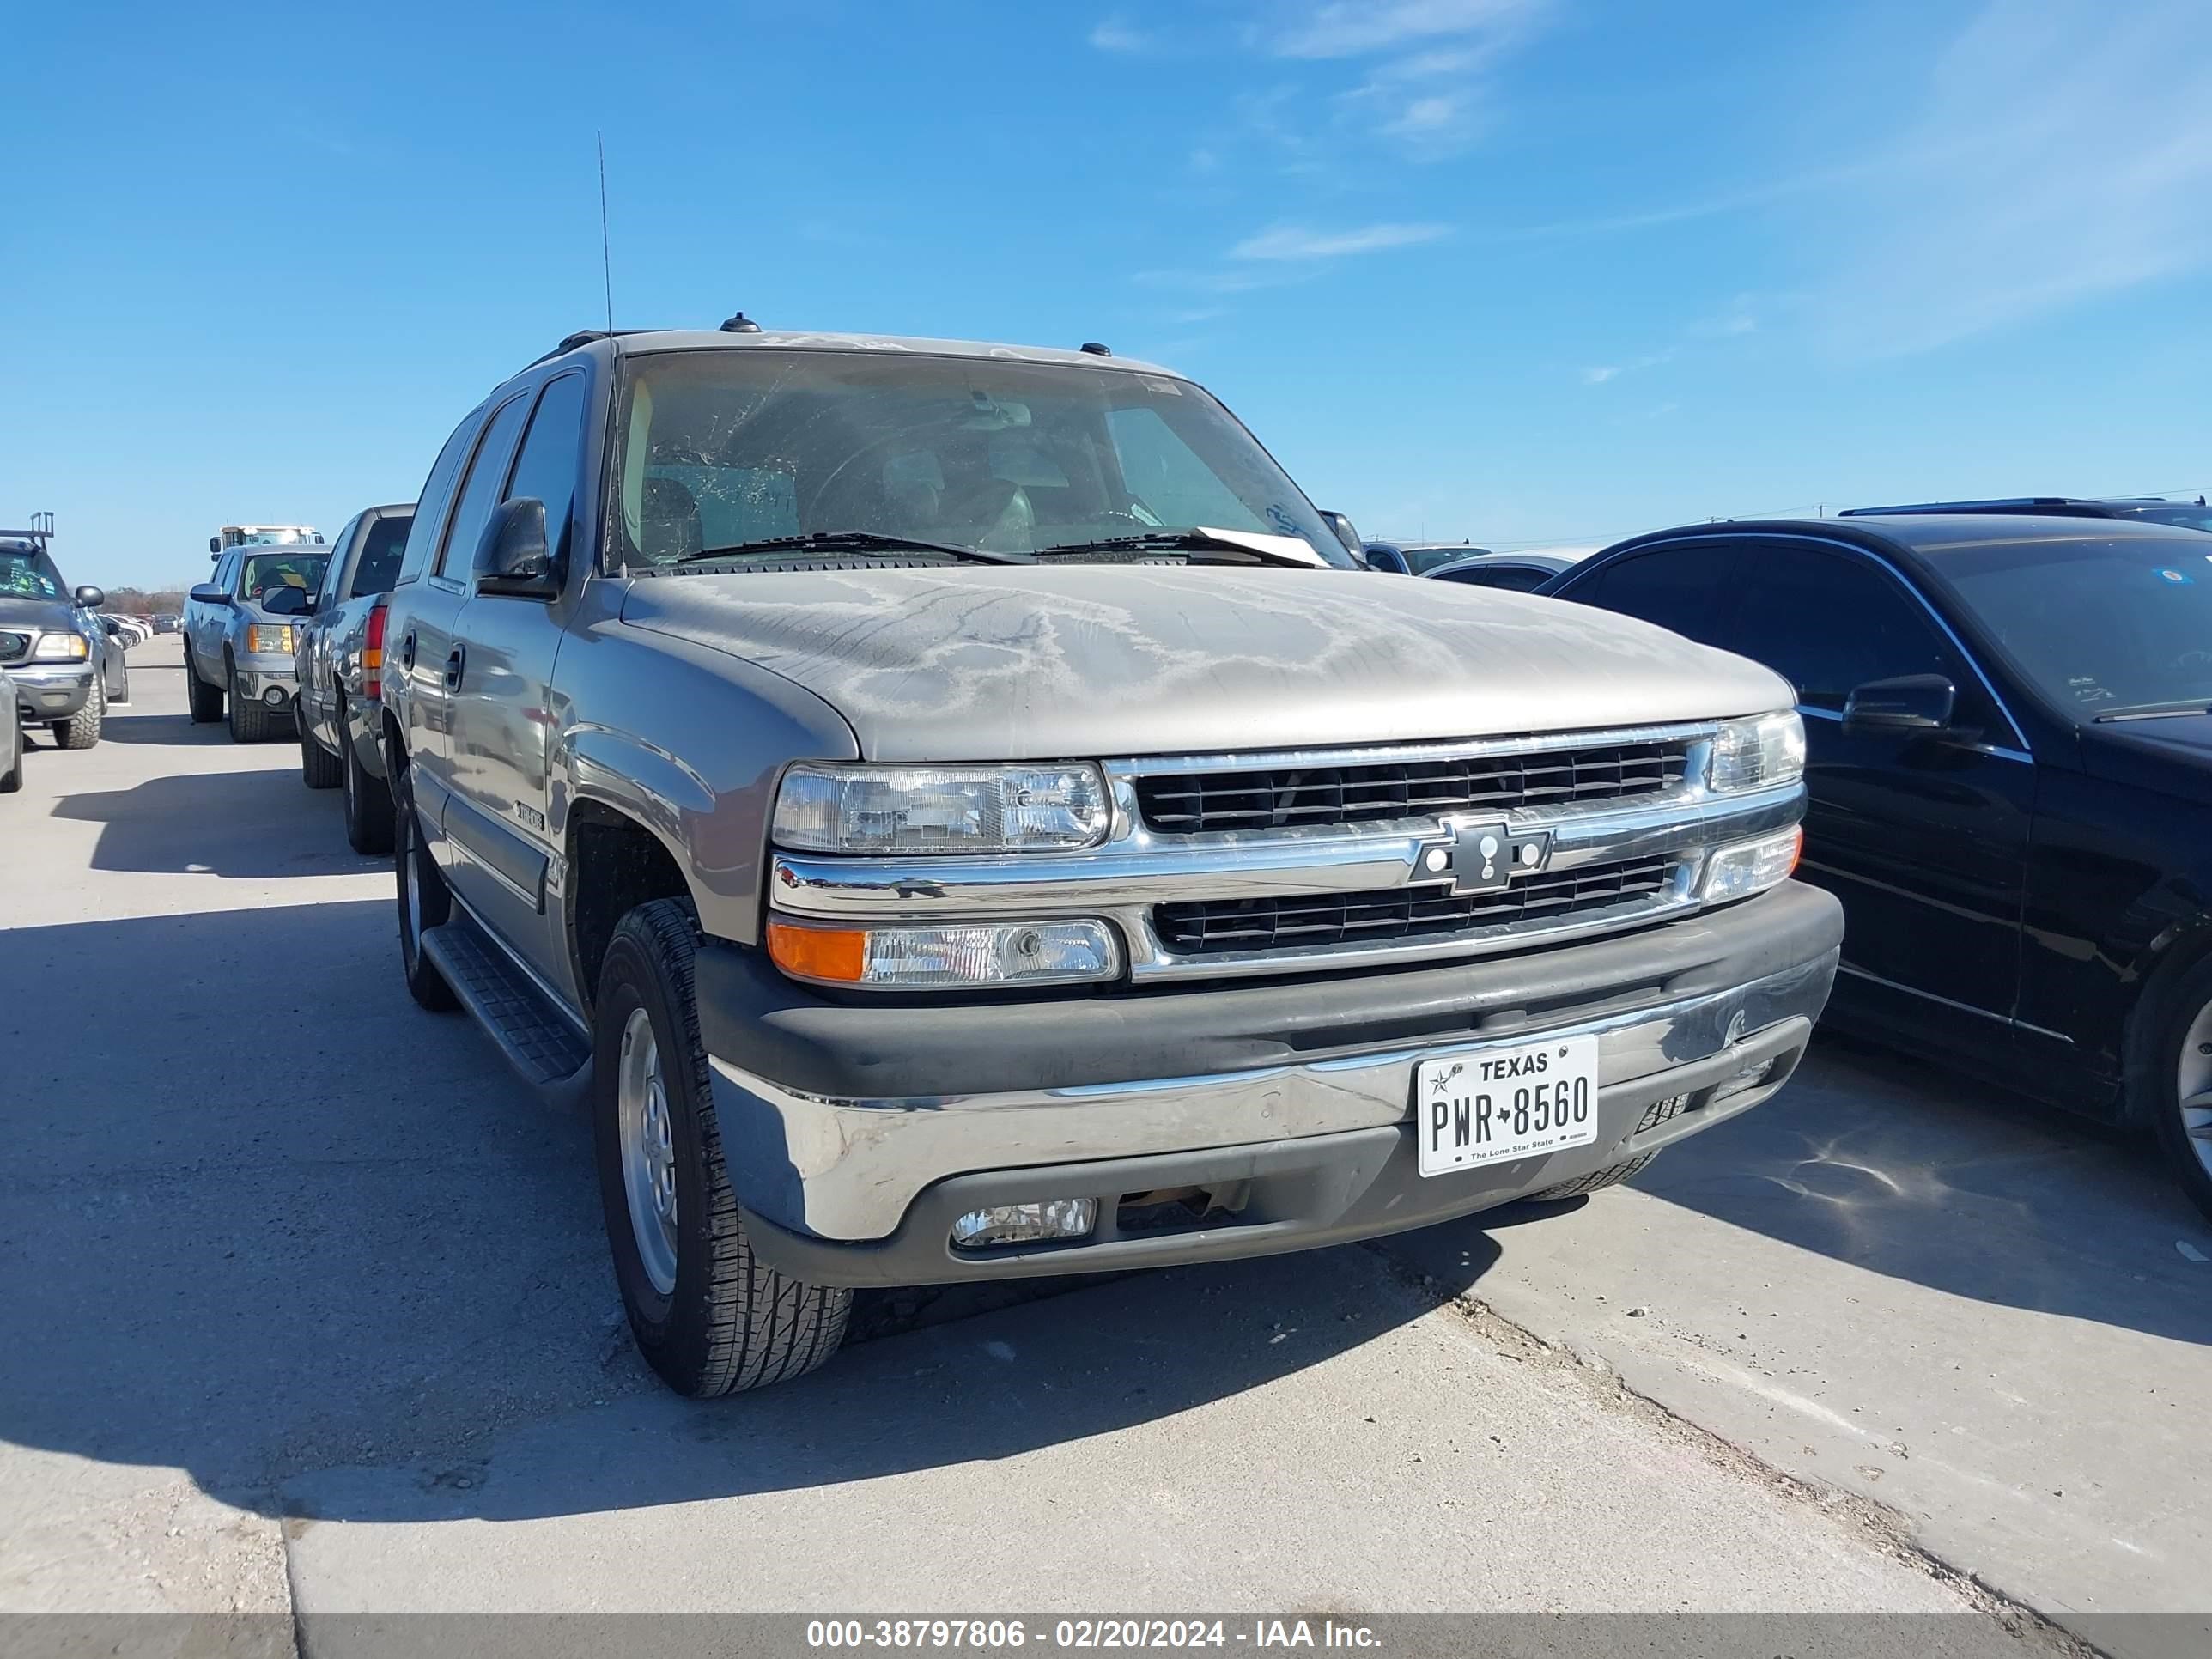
{"points": [[606, 259]]}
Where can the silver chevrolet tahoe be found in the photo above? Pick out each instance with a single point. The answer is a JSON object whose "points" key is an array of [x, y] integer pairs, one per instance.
{"points": [[958, 812]]}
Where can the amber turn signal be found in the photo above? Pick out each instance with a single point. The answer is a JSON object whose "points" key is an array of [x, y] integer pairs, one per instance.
{"points": [[836, 954]]}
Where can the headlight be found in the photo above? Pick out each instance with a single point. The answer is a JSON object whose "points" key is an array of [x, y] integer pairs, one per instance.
{"points": [[269, 636], [1758, 754], [897, 956], [1750, 866], [61, 648], [941, 809]]}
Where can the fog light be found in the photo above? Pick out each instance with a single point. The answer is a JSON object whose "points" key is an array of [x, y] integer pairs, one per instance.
{"points": [[1025, 1224], [274, 697], [1751, 867]]}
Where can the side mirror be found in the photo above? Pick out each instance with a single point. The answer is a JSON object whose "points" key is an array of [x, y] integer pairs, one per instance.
{"points": [[1381, 556], [1911, 705], [215, 547], [91, 597], [286, 601], [208, 594], [513, 558], [1344, 533]]}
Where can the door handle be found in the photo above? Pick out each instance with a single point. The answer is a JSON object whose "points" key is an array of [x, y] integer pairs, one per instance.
{"points": [[454, 665]]}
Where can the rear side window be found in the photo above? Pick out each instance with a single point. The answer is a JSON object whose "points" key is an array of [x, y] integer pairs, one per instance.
{"points": [[437, 495], [545, 471], [1686, 589], [1520, 578], [487, 472], [334, 572], [378, 567]]}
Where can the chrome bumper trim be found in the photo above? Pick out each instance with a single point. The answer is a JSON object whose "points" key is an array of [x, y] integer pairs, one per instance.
{"points": [[851, 1168]]}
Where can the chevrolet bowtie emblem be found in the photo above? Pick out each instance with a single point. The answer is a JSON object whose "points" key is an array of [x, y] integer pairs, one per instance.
{"points": [[1482, 858]]}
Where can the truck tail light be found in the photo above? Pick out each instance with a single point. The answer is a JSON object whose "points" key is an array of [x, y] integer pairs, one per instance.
{"points": [[372, 655]]}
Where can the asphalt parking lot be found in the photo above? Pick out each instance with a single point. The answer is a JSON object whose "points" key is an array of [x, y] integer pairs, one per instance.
{"points": [[309, 1312]]}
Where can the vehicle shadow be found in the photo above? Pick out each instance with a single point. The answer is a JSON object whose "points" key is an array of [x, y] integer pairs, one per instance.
{"points": [[318, 1248], [1901, 1168], [168, 730], [243, 825]]}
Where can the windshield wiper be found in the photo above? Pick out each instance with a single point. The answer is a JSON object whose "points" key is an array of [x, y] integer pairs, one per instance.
{"points": [[850, 541], [1197, 541], [2154, 711]]}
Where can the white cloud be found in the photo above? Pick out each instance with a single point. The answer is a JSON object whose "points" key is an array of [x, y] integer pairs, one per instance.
{"points": [[1298, 243], [1600, 376], [1349, 28], [1116, 34], [1613, 371], [2062, 149]]}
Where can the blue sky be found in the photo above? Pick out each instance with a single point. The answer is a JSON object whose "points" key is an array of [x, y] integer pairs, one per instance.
{"points": [[1523, 270]]}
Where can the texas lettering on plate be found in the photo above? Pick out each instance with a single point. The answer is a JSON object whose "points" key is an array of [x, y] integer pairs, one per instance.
{"points": [[1504, 1103]]}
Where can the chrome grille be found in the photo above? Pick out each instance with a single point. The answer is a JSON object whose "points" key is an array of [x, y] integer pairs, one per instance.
{"points": [[1421, 786], [1311, 921], [14, 647]]}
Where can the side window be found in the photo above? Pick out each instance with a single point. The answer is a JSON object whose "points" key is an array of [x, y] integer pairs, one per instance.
{"points": [[479, 493], [1827, 622], [334, 572], [378, 567], [437, 495], [547, 467], [1520, 578], [1686, 589], [226, 574]]}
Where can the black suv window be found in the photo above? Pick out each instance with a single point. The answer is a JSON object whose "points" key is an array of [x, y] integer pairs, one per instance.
{"points": [[378, 567], [1687, 588], [1520, 578], [480, 493], [1828, 621], [546, 469]]}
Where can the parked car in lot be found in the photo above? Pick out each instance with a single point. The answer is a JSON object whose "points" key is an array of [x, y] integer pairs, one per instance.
{"points": [[958, 812], [339, 661], [166, 623], [2181, 515], [1523, 573], [64, 668], [2009, 754], [241, 633], [11, 738], [1417, 558]]}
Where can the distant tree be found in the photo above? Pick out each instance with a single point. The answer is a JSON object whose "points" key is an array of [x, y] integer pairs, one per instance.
{"points": [[138, 602]]}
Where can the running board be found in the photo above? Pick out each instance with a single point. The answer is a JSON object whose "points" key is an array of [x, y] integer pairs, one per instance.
{"points": [[544, 1049]]}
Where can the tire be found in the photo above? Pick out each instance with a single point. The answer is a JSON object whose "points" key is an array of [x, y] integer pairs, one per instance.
{"points": [[1597, 1181], [249, 720], [318, 767], [204, 702], [12, 779], [81, 729], [367, 800], [723, 1321], [424, 903], [2180, 1087]]}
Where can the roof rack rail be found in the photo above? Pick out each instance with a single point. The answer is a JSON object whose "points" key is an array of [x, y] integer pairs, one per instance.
{"points": [[584, 336], [41, 529]]}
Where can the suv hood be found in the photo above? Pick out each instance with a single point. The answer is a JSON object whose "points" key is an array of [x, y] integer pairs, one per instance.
{"points": [[1032, 663], [17, 611]]}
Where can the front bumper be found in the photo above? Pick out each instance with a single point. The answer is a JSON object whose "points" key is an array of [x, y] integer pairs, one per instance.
{"points": [[51, 691], [256, 677], [843, 1187]]}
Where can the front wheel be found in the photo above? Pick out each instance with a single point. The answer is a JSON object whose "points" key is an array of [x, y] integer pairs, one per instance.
{"points": [[250, 719], [705, 1312], [2181, 1099], [81, 729], [203, 702]]}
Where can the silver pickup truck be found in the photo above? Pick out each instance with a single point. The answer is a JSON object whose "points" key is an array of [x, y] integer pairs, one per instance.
{"points": [[957, 811]]}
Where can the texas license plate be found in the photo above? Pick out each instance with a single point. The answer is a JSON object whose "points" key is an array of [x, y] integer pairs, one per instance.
{"points": [[1502, 1103]]}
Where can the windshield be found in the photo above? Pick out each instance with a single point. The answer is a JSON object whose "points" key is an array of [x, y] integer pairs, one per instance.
{"points": [[721, 448], [2175, 512], [26, 573], [2099, 626], [279, 536], [265, 571]]}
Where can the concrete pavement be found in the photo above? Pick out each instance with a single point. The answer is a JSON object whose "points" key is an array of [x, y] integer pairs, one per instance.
{"points": [[309, 1313]]}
